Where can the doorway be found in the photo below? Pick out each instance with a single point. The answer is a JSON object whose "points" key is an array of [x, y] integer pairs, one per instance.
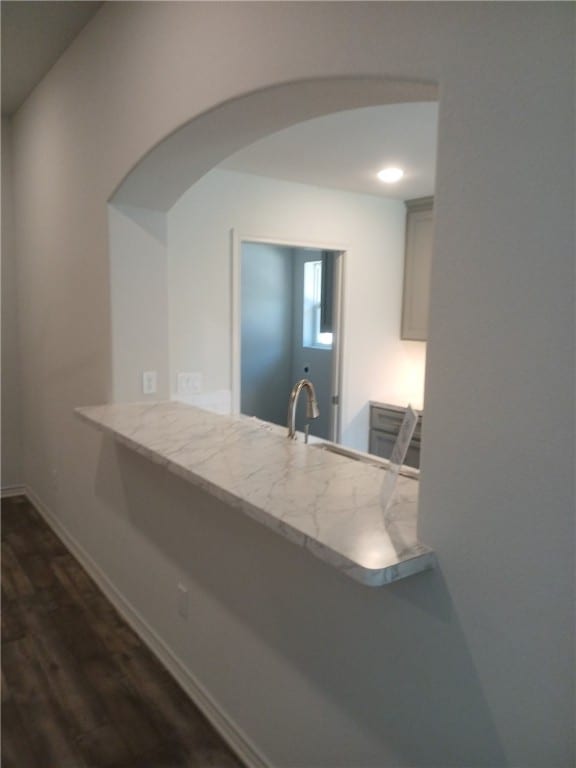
{"points": [[287, 329]]}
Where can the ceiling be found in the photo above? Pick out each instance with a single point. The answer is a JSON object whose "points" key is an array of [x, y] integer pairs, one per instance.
{"points": [[347, 149], [344, 150], [34, 36]]}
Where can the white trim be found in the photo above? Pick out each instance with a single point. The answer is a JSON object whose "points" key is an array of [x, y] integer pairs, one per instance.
{"points": [[12, 490], [236, 320], [230, 732], [237, 239], [338, 358]]}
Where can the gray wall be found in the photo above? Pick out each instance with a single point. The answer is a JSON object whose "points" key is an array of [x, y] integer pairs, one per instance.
{"points": [[266, 339], [273, 354], [11, 473], [472, 664], [318, 361]]}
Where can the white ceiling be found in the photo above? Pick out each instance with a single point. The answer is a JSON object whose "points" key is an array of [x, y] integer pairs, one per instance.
{"points": [[34, 36], [344, 150], [347, 149]]}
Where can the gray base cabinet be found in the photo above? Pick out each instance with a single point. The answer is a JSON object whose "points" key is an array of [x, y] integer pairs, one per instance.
{"points": [[385, 421]]}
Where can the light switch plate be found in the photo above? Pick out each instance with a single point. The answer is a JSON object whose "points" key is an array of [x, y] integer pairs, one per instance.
{"points": [[189, 383]]}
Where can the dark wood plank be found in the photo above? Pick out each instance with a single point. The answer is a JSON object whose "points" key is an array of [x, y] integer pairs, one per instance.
{"points": [[103, 748], [80, 704], [18, 538], [40, 714], [13, 626], [45, 540], [17, 512], [5, 690], [79, 688], [39, 570], [131, 718], [213, 757], [73, 579], [14, 579], [172, 755], [77, 634], [17, 749], [175, 716], [24, 529], [164, 756], [117, 636], [43, 601]]}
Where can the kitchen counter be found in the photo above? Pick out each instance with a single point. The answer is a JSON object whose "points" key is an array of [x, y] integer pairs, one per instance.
{"points": [[326, 503]]}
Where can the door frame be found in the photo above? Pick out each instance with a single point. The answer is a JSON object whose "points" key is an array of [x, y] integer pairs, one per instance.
{"points": [[237, 241]]}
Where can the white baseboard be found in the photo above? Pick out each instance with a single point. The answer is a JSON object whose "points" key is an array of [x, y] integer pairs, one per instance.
{"points": [[12, 490], [229, 731]]}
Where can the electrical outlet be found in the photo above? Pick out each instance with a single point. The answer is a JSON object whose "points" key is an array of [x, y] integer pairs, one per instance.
{"points": [[189, 383], [182, 602], [149, 382]]}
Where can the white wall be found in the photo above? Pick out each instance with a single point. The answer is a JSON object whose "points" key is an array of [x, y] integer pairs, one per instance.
{"points": [[11, 473], [376, 363], [472, 664], [139, 302]]}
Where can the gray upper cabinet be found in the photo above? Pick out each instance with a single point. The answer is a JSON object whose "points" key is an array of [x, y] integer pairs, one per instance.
{"points": [[418, 257]]}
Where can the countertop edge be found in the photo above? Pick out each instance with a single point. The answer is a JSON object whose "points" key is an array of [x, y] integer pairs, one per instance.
{"points": [[372, 577]]}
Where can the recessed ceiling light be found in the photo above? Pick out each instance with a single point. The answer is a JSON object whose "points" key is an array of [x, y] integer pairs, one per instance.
{"points": [[390, 175]]}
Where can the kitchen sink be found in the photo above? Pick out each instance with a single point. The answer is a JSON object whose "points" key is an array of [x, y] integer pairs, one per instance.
{"points": [[366, 458]]}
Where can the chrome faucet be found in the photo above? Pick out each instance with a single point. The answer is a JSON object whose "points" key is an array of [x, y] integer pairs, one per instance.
{"points": [[312, 410]]}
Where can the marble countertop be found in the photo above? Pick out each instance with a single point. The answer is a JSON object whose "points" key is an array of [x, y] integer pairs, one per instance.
{"points": [[324, 502]]}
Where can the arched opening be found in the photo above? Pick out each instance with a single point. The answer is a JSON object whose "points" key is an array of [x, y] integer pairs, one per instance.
{"points": [[183, 157], [172, 289]]}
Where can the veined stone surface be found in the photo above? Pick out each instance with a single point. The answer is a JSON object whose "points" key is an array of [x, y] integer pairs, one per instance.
{"points": [[327, 503]]}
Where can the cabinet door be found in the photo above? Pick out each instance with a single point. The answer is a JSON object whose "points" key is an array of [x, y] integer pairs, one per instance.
{"points": [[382, 444], [418, 257]]}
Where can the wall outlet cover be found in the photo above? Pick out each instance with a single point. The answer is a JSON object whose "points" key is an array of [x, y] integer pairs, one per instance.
{"points": [[182, 592], [149, 382]]}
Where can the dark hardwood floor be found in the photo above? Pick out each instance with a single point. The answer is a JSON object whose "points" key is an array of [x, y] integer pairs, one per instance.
{"points": [[79, 689]]}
